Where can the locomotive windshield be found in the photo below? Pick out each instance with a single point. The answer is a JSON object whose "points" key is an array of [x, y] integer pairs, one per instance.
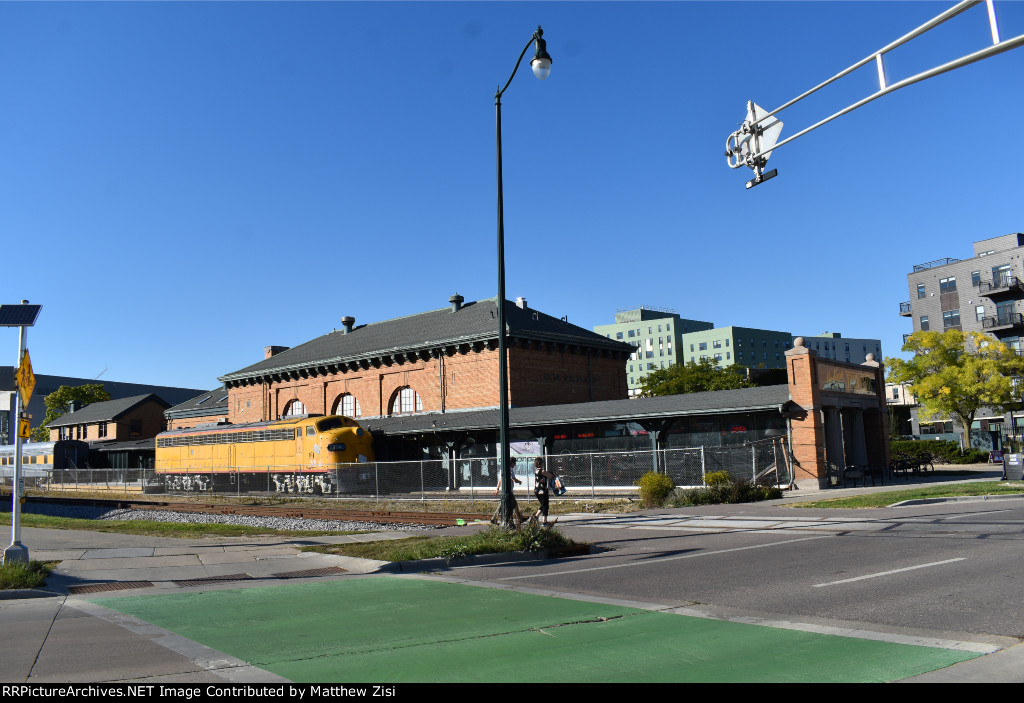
{"points": [[332, 423]]}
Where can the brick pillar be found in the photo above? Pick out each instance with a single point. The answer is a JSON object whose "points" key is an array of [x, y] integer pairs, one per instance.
{"points": [[876, 423], [809, 468]]}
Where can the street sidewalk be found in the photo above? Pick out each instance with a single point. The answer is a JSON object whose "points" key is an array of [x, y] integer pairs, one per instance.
{"points": [[56, 635]]}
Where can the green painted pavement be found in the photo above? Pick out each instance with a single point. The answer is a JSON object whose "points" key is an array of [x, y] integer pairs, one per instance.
{"points": [[390, 629]]}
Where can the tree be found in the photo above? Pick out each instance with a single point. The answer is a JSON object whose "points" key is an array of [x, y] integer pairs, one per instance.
{"points": [[954, 374], [58, 401], [694, 377]]}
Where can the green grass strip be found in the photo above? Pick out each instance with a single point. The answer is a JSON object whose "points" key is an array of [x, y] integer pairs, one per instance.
{"points": [[31, 574], [886, 498]]}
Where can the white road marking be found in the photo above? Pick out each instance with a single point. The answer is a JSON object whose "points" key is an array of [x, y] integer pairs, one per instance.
{"points": [[658, 560], [887, 573]]}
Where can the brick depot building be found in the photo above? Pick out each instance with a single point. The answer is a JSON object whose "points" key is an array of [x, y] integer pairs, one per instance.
{"points": [[438, 361]]}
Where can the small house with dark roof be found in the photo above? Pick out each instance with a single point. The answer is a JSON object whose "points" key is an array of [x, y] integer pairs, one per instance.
{"points": [[206, 408], [438, 361], [121, 420]]}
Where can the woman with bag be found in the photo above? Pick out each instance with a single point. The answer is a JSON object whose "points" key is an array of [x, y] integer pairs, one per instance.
{"points": [[542, 488]]}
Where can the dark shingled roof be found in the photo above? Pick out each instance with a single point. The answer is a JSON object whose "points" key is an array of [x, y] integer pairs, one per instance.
{"points": [[105, 410], [474, 322], [637, 409], [209, 403]]}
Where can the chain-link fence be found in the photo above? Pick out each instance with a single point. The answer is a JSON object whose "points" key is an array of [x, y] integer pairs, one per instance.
{"points": [[589, 474]]}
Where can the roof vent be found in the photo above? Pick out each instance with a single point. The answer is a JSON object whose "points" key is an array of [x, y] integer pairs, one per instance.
{"points": [[348, 322], [456, 301], [521, 303]]}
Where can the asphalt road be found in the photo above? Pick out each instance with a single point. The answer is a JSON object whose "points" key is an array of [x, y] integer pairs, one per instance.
{"points": [[950, 570]]}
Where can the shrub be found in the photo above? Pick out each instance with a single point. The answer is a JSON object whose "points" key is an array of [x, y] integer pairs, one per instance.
{"points": [[718, 478], [946, 449], [654, 489], [735, 491]]}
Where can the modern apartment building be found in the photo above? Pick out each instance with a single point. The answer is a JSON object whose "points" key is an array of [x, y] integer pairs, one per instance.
{"points": [[656, 333], [983, 294], [833, 345], [746, 346]]}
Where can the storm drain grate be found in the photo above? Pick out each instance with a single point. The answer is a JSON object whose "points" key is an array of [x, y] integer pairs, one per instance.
{"points": [[111, 586], [207, 580], [308, 573]]}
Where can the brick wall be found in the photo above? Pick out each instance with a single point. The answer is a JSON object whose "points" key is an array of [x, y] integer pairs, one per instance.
{"points": [[538, 375]]}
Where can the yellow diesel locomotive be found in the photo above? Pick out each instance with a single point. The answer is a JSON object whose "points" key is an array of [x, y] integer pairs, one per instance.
{"points": [[297, 454]]}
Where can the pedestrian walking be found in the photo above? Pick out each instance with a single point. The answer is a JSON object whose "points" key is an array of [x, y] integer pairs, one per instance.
{"points": [[542, 489]]}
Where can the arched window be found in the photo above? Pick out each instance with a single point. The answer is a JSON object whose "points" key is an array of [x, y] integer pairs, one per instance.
{"points": [[347, 405], [295, 407], [406, 400]]}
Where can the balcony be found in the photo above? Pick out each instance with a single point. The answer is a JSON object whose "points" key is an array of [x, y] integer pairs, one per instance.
{"points": [[905, 309], [1004, 321], [1001, 287]]}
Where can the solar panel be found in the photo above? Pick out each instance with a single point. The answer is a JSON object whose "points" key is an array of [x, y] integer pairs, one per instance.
{"points": [[18, 315]]}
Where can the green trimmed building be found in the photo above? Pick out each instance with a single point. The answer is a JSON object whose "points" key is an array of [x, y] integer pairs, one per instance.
{"points": [[657, 335]]}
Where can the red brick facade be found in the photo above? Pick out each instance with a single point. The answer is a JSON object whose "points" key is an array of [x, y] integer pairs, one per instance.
{"points": [[460, 378], [832, 425]]}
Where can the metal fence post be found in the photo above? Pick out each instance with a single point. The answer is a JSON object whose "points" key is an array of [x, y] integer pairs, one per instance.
{"points": [[593, 490], [703, 476], [753, 462]]}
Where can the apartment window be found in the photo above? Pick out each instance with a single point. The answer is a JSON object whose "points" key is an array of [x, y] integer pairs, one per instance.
{"points": [[668, 328], [618, 335], [950, 318], [975, 278], [920, 290], [631, 333], [102, 429], [947, 285], [727, 355], [924, 323], [717, 344], [895, 393], [703, 346], [979, 313], [691, 347], [727, 342]]}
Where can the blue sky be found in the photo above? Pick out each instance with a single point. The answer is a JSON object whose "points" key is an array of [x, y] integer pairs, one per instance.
{"points": [[184, 183]]}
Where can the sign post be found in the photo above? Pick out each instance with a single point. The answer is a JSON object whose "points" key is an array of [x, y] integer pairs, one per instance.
{"points": [[20, 316]]}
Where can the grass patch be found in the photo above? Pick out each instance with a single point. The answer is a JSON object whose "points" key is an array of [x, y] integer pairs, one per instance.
{"points": [[31, 574], [160, 529], [881, 500], [490, 541]]}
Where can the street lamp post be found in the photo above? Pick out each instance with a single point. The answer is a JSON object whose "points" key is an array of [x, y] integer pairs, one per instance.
{"points": [[541, 64]]}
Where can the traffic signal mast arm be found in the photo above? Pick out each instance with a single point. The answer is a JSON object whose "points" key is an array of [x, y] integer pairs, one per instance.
{"points": [[751, 145]]}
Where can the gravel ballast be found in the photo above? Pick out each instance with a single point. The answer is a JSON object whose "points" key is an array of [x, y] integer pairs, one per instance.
{"points": [[276, 523]]}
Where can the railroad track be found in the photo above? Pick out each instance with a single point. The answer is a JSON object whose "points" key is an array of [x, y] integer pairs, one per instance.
{"points": [[290, 511]]}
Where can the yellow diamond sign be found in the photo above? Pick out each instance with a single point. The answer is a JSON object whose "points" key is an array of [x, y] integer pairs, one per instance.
{"points": [[26, 380]]}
